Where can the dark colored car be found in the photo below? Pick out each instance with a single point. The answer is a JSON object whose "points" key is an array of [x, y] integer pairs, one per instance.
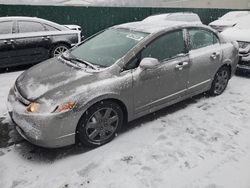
{"points": [[27, 40]]}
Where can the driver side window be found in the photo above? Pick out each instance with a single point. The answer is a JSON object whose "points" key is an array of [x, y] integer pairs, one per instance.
{"points": [[165, 47]]}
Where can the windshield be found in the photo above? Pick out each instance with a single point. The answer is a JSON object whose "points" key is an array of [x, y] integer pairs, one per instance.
{"points": [[109, 46]]}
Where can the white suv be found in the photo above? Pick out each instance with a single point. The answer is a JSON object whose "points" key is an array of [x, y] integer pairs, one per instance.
{"points": [[228, 20]]}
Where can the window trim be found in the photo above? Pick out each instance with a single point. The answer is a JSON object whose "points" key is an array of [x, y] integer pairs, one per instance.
{"points": [[203, 29]]}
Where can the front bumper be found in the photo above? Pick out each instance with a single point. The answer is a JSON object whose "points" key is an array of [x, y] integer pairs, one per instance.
{"points": [[47, 130], [244, 62], [244, 53]]}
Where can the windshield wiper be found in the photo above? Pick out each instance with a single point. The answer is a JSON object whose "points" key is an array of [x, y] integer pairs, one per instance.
{"points": [[70, 58]]}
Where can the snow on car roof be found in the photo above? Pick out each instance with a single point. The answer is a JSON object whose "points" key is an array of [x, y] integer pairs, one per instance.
{"points": [[244, 23], [153, 27], [234, 15]]}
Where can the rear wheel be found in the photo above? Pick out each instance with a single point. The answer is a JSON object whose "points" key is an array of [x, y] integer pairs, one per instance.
{"points": [[220, 81], [59, 49], [100, 123]]}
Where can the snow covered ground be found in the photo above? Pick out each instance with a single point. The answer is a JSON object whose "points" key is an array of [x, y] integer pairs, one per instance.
{"points": [[201, 142]]}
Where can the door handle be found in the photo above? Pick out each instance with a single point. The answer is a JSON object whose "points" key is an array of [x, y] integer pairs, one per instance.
{"points": [[9, 41], [215, 55], [46, 38], [181, 65]]}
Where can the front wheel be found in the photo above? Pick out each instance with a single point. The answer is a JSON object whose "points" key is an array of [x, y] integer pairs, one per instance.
{"points": [[100, 124], [220, 81]]}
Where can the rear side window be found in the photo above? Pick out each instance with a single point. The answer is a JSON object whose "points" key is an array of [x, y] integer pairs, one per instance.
{"points": [[199, 38], [6, 27], [50, 28], [27, 27], [166, 47]]}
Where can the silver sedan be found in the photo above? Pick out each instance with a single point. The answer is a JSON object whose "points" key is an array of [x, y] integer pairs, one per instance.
{"points": [[120, 74]]}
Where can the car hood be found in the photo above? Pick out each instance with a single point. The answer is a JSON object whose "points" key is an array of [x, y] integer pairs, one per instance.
{"points": [[235, 34], [226, 23], [52, 78]]}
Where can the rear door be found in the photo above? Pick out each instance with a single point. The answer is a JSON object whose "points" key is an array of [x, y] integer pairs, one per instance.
{"points": [[32, 44], [6, 43], [205, 57]]}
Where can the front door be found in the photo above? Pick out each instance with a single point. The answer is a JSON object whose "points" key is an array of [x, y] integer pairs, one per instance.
{"points": [[155, 88], [31, 43]]}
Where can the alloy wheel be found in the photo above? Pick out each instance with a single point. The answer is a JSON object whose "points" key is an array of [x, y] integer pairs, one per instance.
{"points": [[59, 50], [221, 81], [102, 124]]}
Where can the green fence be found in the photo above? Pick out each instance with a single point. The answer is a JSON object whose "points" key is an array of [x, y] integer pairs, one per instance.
{"points": [[94, 19]]}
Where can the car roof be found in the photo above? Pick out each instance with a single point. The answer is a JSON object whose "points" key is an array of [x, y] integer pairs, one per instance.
{"points": [[237, 12], [175, 16], [154, 27], [175, 13], [172, 14], [26, 18]]}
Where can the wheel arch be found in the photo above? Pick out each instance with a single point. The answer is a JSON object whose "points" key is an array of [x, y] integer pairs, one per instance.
{"points": [[227, 63], [107, 97], [84, 107]]}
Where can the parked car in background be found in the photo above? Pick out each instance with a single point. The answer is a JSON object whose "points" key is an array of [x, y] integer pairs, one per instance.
{"points": [[76, 28], [28, 40], [125, 72], [241, 33], [177, 16], [228, 20]]}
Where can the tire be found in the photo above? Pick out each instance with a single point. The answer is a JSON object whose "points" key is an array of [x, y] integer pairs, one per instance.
{"points": [[100, 124], [220, 81], [58, 49]]}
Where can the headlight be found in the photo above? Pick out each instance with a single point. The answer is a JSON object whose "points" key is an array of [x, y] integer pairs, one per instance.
{"points": [[65, 106], [33, 107]]}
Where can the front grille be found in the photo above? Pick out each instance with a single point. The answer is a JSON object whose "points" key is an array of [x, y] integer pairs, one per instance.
{"points": [[245, 63], [243, 44], [20, 98]]}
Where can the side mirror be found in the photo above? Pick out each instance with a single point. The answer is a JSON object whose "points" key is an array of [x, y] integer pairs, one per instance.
{"points": [[149, 63]]}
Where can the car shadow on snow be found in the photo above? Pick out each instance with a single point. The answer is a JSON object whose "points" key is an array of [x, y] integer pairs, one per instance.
{"points": [[34, 153], [14, 69]]}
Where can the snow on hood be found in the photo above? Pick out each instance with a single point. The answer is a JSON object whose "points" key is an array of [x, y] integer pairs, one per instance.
{"points": [[235, 34], [49, 78]]}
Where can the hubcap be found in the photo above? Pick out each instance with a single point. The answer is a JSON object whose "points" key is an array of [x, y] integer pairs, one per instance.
{"points": [[59, 50], [221, 81], [102, 125]]}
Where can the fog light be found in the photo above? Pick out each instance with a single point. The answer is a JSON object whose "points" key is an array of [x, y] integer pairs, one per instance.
{"points": [[65, 106]]}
